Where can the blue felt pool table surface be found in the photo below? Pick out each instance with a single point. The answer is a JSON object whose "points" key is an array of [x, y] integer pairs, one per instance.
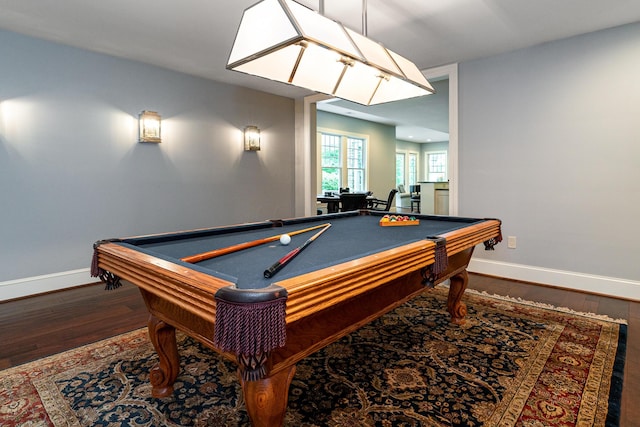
{"points": [[350, 236]]}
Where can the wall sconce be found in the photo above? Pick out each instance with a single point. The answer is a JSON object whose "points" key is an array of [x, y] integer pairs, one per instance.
{"points": [[149, 122], [251, 138]]}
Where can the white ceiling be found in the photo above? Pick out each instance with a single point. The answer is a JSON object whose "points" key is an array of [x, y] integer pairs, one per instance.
{"points": [[195, 36]]}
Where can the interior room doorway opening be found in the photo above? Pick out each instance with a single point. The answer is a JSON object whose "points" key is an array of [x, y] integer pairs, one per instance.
{"points": [[306, 144]]}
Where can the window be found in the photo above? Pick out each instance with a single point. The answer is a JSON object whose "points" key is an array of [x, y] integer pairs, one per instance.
{"points": [[406, 168], [400, 169], [343, 162], [437, 166], [412, 176], [331, 163], [355, 164]]}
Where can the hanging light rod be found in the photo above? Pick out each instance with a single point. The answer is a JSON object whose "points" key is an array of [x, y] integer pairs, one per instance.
{"points": [[285, 41], [364, 14], [364, 18]]}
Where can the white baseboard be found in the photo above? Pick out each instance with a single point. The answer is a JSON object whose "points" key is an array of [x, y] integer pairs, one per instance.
{"points": [[620, 288], [615, 287], [28, 286]]}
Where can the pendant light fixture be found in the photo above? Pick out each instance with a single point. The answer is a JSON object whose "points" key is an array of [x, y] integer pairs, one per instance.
{"points": [[285, 41]]}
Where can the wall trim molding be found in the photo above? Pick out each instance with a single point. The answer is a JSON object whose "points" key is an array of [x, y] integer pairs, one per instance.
{"points": [[601, 285], [451, 71], [30, 286]]}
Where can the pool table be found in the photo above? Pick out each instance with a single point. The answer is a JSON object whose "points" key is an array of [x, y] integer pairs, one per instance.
{"points": [[351, 274]]}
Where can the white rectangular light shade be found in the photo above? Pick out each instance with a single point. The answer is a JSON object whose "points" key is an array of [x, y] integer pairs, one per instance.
{"points": [[410, 70], [319, 69], [322, 30], [278, 65], [359, 83], [393, 89], [263, 26], [284, 41], [375, 53]]}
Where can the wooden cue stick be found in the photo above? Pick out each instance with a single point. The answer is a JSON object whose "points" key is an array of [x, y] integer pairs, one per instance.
{"points": [[240, 246], [271, 271]]}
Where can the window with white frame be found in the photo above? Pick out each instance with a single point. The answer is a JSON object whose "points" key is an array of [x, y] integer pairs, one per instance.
{"points": [[401, 171], [343, 160], [412, 175], [436, 166], [406, 168], [355, 164]]}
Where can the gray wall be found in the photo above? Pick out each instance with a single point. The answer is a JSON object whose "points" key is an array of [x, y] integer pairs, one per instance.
{"points": [[550, 144], [71, 171]]}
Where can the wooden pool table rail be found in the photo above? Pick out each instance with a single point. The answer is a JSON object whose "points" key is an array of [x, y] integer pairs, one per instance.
{"points": [[190, 290]]}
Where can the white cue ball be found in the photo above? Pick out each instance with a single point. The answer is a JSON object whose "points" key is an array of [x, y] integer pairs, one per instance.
{"points": [[285, 239]]}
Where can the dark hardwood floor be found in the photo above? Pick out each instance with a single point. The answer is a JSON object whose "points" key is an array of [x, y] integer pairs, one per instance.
{"points": [[42, 325]]}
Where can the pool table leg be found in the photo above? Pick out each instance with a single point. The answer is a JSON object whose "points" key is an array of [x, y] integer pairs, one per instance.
{"points": [[266, 399], [164, 374], [456, 308]]}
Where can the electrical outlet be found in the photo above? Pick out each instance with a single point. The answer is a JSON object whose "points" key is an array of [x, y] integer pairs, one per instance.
{"points": [[511, 242]]}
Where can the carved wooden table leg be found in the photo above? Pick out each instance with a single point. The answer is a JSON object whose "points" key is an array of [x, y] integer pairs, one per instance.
{"points": [[455, 307], [266, 399], [164, 374]]}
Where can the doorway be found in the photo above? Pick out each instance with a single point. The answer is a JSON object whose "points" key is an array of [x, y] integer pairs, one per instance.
{"points": [[305, 144]]}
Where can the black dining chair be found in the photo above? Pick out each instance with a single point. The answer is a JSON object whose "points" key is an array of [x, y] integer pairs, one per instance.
{"points": [[414, 197], [383, 205], [352, 201]]}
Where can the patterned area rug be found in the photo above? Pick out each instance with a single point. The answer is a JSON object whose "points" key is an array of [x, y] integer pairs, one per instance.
{"points": [[511, 364]]}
